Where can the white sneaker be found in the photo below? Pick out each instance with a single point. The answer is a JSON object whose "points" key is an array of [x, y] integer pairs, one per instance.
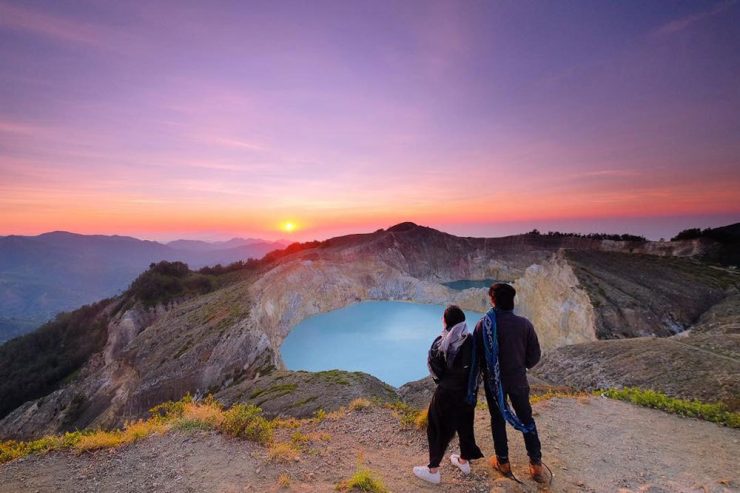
{"points": [[455, 459], [422, 472]]}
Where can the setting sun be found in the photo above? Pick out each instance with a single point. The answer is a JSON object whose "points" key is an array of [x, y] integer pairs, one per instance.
{"points": [[288, 227]]}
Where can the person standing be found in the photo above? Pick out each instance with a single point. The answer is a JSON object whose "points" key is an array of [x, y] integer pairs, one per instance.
{"points": [[450, 359], [506, 347]]}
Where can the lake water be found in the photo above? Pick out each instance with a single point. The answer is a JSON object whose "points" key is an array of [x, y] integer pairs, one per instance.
{"points": [[467, 284], [387, 339]]}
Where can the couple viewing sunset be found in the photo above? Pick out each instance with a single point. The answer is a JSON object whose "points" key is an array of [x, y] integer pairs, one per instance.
{"points": [[499, 351]]}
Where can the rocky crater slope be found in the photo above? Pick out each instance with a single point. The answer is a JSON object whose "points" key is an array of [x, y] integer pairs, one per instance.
{"points": [[219, 340], [701, 363]]}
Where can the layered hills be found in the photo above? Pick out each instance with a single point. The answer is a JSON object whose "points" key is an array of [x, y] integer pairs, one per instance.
{"points": [[52, 272], [176, 331]]}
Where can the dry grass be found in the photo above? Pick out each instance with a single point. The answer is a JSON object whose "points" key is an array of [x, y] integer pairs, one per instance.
{"points": [[131, 433], [185, 414], [299, 439], [319, 436], [359, 404], [283, 481], [551, 394], [287, 423], [283, 452]]}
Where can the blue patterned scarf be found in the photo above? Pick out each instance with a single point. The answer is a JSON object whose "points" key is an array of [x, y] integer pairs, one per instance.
{"points": [[493, 380]]}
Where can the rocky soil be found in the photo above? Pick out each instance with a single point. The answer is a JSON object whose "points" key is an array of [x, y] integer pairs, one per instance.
{"points": [[591, 444]]}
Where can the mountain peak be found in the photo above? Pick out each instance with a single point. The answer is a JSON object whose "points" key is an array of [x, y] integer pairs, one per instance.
{"points": [[405, 226]]}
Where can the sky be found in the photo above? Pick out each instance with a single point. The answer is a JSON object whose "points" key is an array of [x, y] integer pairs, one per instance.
{"points": [[215, 119]]}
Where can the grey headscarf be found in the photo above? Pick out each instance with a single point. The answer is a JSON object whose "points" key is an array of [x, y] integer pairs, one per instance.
{"points": [[452, 340]]}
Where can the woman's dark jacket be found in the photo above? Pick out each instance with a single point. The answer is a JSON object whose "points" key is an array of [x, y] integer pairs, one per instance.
{"points": [[454, 375]]}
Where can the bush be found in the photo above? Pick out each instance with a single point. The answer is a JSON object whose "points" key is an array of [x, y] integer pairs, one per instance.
{"points": [[246, 421], [166, 281], [422, 420]]}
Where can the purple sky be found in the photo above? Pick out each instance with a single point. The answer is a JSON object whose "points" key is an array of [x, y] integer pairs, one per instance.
{"points": [[216, 119]]}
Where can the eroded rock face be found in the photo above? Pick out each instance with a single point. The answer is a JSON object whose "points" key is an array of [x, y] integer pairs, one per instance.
{"points": [[550, 296]]}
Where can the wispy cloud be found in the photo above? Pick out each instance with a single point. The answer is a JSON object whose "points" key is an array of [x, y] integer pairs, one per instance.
{"points": [[677, 25], [23, 18], [237, 143]]}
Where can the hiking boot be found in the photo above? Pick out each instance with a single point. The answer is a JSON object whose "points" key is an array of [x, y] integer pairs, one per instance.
{"points": [[502, 467], [537, 472]]}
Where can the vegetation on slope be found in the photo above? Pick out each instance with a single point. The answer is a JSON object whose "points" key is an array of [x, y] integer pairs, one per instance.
{"points": [[33, 365], [37, 363], [590, 236], [727, 250], [715, 412]]}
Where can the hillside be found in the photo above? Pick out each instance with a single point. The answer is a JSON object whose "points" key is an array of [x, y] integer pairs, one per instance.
{"points": [[701, 363], [591, 444], [220, 334], [52, 272]]}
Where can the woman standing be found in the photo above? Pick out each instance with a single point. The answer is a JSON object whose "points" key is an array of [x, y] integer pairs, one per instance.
{"points": [[449, 361]]}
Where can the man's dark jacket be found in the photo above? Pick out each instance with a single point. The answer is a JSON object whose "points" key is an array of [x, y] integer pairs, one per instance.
{"points": [[519, 348]]}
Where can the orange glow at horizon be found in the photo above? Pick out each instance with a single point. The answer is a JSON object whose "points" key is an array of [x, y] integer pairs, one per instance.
{"points": [[288, 227]]}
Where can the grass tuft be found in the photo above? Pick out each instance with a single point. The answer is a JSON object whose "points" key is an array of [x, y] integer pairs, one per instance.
{"points": [[283, 481], [319, 415], [283, 452], [359, 404], [364, 480]]}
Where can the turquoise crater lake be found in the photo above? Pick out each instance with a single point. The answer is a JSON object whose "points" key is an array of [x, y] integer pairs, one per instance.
{"points": [[387, 339]]}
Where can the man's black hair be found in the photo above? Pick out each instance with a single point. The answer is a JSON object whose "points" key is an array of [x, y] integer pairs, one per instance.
{"points": [[453, 315], [503, 295]]}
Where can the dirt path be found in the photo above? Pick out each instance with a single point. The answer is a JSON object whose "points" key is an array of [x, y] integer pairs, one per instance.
{"points": [[592, 445]]}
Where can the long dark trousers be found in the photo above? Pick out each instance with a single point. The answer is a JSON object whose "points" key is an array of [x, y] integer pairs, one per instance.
{"points": [[448, 413], [519, 399]]}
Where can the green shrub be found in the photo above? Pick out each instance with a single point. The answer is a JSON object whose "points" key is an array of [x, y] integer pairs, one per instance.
{"points": [[714, 412], [246, 421]]}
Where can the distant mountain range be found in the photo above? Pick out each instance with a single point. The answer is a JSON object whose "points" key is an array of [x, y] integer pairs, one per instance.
{"points": [[52, 272]]}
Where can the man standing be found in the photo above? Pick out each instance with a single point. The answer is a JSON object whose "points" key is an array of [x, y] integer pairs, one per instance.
{"points": [[506, 346]]}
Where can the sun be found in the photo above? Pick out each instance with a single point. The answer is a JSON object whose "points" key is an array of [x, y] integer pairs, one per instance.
{"points": [[288, 226]]}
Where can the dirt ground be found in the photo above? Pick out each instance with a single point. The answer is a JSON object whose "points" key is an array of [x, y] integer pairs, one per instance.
{"points": [[591, 445]]}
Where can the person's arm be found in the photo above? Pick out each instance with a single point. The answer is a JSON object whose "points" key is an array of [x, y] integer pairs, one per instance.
{"points": [[533, 347]]}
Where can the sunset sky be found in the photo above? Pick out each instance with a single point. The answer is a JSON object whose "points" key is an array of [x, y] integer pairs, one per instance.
{"points": [[219, 119]]}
